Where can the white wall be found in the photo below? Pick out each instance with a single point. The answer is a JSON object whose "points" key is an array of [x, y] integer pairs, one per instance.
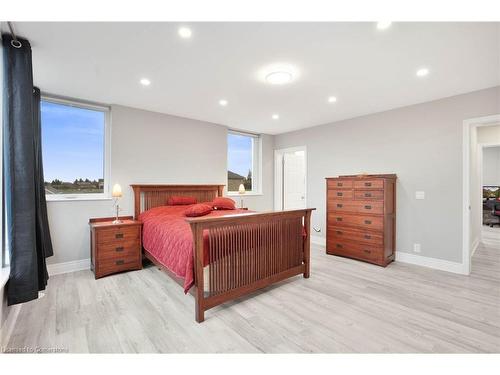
{"points": [[491, 166], [422, 144], [148, 147]]}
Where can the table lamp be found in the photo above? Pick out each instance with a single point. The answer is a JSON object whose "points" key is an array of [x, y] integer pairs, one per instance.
{"points": [[117, 194], [241, 191]]}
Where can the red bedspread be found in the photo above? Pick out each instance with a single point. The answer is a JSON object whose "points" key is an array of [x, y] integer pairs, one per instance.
{"points": [[167, 236]]}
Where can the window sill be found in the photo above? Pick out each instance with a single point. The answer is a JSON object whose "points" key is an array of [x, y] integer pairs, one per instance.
{"points": [[4, 276], [76, 199], [249, 194]]}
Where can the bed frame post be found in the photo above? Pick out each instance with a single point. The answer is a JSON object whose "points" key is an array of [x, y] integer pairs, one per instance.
{"points": [[307, 244], [198, 272]]}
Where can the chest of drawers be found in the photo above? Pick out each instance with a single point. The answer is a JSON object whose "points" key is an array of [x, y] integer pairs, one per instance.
{"points": [[361, 217]]}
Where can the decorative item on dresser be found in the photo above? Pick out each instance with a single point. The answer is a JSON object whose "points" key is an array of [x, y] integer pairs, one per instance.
{"points": [[115, 247], [361, 217]]}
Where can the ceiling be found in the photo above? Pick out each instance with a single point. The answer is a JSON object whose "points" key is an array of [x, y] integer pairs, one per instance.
{"points": [[366, 69]]}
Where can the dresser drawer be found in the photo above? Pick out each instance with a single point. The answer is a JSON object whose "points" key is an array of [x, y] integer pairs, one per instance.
{"points": [[119, 250], [339, 184], [340, 194], [361, 251], [118, 234], [362, 207], [361, 221], [120, 264], [342, 234], [369, 194], [368, 184]]}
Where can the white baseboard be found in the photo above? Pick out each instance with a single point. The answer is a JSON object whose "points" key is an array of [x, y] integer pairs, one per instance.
{"points": [[66, 267], [438, 264], [317, 240]]}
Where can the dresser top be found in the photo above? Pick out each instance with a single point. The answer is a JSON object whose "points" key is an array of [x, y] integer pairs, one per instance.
{"points": [[388, 176]]}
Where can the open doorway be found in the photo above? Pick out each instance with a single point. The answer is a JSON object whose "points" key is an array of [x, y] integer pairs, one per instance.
{"points": [[481, 163], [290, 178]]}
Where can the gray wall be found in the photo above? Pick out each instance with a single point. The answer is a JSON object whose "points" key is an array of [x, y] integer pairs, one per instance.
{"points": [[422, 144], [148, 147]]}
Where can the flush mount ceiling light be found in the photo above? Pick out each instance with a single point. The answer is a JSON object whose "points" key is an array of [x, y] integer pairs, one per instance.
{"points": [[422, 72], [145, 82], [276, 116], [382, 25], [185, 32], [223, 102], [278, 74], [332, 99]]}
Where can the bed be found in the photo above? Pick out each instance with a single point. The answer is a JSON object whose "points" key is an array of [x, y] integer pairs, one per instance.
{"points": [[223, 255]]}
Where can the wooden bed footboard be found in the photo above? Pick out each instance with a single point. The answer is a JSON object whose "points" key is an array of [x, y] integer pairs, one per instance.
{"points": [[247, 252]]}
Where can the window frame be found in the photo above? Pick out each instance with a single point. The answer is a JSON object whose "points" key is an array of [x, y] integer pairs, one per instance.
{"points": [[105, 195], [256, 163]]}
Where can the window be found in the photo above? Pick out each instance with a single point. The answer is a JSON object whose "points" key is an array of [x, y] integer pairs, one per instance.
{"points": [[74, 138], [243, 162]]}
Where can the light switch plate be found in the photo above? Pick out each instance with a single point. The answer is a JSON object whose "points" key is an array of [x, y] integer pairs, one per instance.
{"points": [[420, 194], [416, 247]]}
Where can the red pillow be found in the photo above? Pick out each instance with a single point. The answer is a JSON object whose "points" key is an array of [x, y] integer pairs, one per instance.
{"points": [[200, 209], [178, 200], [223, 204]]}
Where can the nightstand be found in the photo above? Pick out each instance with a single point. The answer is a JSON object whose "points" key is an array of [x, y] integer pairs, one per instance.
{"points": [[115, 247]]}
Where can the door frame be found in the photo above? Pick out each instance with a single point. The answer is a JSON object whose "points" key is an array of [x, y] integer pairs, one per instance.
{"points": [[278, 174], [467, 126]]}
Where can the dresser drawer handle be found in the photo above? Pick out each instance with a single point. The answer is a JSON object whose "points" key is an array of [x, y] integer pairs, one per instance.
{"points": [[368, 184], [339, 232], [339, 219], [368, 195], [339, 194], [119, 262], [368, 221], [367, 251], [119, 249], [340, 184], [339, 205], [339, 246], [367, 236], [119, 235], [368, 207]]}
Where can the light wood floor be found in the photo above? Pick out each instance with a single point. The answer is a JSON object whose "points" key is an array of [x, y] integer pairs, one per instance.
{"points": [[346, 306]]}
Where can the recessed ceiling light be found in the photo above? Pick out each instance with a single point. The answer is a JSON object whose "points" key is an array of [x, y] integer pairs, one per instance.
{"points": [[422, 72], [332, 99], [279, 78], [223, 102], [382, 25], [185, 32], [278, 74], [145, 82], [276, 116]]}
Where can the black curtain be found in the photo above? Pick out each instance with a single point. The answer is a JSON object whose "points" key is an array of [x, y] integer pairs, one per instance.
{"points": [[25, 211]]}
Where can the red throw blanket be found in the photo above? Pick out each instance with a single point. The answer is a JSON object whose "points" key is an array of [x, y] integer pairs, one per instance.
{"points": [[168, 238]]}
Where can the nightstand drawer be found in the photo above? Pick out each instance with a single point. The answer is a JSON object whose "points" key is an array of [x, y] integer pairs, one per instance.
{"points": [[118, 234], [110, 266], [119, 249]]}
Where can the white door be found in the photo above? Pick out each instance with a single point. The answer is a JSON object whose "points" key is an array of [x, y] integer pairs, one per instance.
{"points": [[294, 180]]}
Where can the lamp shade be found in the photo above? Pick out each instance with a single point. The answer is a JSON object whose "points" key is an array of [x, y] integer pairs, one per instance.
{"points": [[117, 191], [241, 189]]}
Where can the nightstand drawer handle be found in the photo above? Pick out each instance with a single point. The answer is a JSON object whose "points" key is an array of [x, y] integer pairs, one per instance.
{"points": [[119, 235], [339, 246], [339, 232], [339, 219], [368, 195], [367, 251], [339, 184], [368, 184], [339, 205], [367, 236], [119, 262], [368, 221], [339, 194], [119, 248], [368, 207]]}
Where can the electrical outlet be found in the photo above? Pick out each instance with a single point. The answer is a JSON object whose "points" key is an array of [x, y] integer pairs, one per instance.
{"points": [[416, 247], [420, 195]]}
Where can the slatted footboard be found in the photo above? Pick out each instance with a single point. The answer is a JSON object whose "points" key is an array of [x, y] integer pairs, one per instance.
{"points": [[247, 252]]}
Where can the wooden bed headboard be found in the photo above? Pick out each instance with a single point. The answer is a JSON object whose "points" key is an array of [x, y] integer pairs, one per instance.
{"points": [[150, 196]]}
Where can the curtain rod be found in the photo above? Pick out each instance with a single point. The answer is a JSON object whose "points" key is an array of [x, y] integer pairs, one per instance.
{"points": [[14, 42]]}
